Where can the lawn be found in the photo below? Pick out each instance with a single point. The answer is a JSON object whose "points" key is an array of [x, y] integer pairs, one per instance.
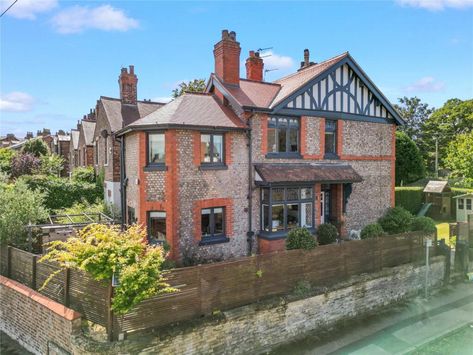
{"points": [[459, 342]]}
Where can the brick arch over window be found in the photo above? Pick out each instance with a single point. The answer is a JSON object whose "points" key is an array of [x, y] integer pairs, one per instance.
{"points": [[227, 203]]}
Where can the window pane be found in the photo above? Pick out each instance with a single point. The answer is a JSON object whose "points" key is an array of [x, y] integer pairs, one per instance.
{"points": [[218, 149], [329, 142], [205, 222], [293, 138], [266, 195], [330, 126], [461, 204], [157, 227], [306, 214], [265, 212], [292, 194], [278, 194], [218, 218], [277, 218], [272, 122], [272, 138], [468, 204], [292, 216], [282, 140], [156, 148], [205, 148], [293, 122], [306, 192]]}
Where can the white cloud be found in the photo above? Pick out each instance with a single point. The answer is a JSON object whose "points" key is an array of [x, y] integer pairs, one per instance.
{"points": [[17, 101], [276, 61], [27, 9], [426, 84], [80, 18], [163, 99], [436, 5]]}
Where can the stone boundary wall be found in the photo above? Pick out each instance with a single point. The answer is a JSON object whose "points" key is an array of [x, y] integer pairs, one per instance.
{"points": [[258, 328], [39, 324]]}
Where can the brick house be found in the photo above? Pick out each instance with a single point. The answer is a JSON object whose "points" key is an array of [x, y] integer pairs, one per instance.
{"points": [[60, 144], [86, 141], [229, 172], [111, 115], [74, 148]]}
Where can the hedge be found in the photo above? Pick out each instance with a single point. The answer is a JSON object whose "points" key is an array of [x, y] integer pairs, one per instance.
{"points": [[411, 198], [62, 192]]}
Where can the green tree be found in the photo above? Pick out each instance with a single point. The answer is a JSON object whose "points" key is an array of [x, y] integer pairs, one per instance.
{"points": [[36, 146], [415, 113], [19, 206], [105, 251], [455, 117], [196, 85], [459, 157], [409, 162], [6, 156], [51, 164]]}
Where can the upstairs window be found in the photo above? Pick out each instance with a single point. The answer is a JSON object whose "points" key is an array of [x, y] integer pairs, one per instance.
{"points": [[211, 149], [156, 149], [330, 138], [283, 136]]}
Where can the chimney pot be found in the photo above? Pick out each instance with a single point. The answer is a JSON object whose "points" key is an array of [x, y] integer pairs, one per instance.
{"points": [[254, 66], [306, 57]]}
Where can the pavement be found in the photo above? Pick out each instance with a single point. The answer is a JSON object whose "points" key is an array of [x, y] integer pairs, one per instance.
{"points": [[399, 330]]}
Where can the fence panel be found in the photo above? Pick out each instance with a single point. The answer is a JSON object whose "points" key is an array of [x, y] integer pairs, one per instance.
{"points": [[55, 287], [22, 266], [4, 260]]}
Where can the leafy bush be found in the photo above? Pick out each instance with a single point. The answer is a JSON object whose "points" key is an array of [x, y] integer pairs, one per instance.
{"points": [[396, 220], [84, 174], [51, 164], [19, 206], [104, 251], [37, 147], [327, 234], [300, 238], [373, 230], [25, 164], [411, 198], [424, 224], [6, 157], [62, 192], [409, 163]]}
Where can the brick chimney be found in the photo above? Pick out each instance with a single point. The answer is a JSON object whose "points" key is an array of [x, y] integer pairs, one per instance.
{"points": [[227, 58], [254, 67], [306, 63], [128, 86]]}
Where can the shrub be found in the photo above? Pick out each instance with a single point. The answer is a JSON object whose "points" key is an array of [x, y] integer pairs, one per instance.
{"points": [[104, 251], [51, 164], [300, 238], [396, 220], [411, 198], [425, 224], [327, 234], [409, 162], [84, 174], [37, 147], [373, 230], [6, 157], [19, 206], [62, 192], [25, 164]]}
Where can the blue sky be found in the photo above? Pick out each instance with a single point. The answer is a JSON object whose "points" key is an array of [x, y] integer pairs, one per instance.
{"points": [[58, 57]]}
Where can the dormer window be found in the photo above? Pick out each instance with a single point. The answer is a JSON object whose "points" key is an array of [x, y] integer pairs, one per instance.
{"points": [[283, 137]]}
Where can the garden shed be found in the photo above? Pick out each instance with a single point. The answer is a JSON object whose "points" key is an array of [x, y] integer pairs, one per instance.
{"points": [[464, 206], [439, 194]]}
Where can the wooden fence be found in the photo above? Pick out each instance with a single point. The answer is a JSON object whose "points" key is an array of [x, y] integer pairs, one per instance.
{"points": [[219, 286]]}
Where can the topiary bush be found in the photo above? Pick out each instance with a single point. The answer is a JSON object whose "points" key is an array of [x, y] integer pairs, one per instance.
{"points": [[327, 234], [300, 238], [396, 220], [373, 230], [425, 224]]}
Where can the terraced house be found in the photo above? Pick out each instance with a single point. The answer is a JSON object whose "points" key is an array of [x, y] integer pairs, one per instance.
{"points": [[230, 171]]}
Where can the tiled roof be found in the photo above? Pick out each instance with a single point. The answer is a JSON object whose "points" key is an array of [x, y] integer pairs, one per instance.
{"points": [[313, 172], [121, 115], [88, 127], [75, 138], [192, 109], [253, 93]]}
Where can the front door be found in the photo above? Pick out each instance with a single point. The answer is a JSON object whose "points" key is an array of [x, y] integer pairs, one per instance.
{"points": [[325, 206]]}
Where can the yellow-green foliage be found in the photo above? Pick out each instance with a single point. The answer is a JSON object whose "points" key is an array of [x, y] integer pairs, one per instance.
{"points": [[80, 208], [103, 251]]}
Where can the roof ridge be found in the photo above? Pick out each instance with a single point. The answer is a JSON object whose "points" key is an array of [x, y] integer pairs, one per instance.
{"points": [[259, 82]]}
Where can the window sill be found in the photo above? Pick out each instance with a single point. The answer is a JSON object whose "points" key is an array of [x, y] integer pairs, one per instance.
{"points": [[283, 156], [160, 167], [214, 240], [213, 167], [277, 235], [331, 156]]}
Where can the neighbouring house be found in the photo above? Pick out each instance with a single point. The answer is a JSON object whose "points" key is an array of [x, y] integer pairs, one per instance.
{"points": [[86, 141], [111, 115], [8, 140], [60, 145], [74, 148], [464, 206], [231, 171], [439, 194]]}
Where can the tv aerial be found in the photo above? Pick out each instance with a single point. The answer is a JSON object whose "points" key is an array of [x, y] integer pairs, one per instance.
{"points": [[259, 50]]}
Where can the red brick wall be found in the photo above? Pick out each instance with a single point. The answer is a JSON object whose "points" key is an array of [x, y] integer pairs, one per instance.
{"points": [[269, 246]]}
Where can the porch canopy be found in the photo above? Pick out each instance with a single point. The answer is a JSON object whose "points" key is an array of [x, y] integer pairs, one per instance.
{"points": [[277, 174]]}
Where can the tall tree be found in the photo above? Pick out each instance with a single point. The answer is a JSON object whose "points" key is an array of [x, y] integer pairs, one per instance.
{"points": [[455, 117], [409, 162], [415, 113], [459, 158], [196, 85]]}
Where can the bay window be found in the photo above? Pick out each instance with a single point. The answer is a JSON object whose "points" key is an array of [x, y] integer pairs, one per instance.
{"points": [[283, 136], [285, 208]]}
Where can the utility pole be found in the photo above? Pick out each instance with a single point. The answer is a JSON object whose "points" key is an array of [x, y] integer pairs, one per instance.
{"points": [[436, 157]]}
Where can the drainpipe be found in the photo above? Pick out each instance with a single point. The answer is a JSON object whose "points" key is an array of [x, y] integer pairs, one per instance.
{"points": [[250, 232], [122, 182]]}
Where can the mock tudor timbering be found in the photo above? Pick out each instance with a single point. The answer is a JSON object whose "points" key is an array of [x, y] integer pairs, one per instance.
{"points": [[197, 171]]}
